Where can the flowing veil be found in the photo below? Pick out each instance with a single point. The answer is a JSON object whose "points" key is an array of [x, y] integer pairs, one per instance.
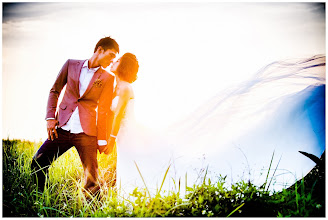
{"points": [[274, 115]]}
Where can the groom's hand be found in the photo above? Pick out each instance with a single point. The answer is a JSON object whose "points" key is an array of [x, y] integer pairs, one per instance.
{"points": [[51, 129], [102, 148]]}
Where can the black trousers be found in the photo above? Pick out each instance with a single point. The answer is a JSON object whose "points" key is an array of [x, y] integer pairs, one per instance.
{"points": [[50, 150]]}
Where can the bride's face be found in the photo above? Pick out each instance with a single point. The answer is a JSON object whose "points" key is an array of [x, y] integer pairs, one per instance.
{"points": [[115, 65]]}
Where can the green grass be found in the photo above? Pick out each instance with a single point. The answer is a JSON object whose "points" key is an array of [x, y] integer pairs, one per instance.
{"points": [[64, 196]]}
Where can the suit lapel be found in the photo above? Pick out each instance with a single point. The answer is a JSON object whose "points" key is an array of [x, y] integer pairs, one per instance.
{"points": [[78, 69], [96, 75]]}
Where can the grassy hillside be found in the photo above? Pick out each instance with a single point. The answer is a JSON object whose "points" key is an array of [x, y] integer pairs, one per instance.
{"points": [[64, 195]]}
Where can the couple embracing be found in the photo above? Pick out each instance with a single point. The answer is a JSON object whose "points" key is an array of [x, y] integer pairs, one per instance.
{"points": [[91, 111]]}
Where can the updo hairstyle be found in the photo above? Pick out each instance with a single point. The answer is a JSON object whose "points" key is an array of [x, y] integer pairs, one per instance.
{"points": [[128, 68]]}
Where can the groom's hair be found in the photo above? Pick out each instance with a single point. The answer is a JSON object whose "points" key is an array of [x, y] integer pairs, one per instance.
{"points": [[128, 68], [107, 43]]}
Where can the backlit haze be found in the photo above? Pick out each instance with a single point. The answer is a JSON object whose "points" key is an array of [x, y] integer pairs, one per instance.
{"points": [[187, 52]]}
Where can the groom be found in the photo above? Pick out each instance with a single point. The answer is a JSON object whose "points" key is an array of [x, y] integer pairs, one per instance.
{"points": [[77, 122]]}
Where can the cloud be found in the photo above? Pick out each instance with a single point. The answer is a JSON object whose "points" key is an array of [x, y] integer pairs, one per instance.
{"points": [[319, 8], [15, 12]]}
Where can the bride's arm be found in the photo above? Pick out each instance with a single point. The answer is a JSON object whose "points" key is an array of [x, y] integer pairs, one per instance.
{"points": [[124, 96]]}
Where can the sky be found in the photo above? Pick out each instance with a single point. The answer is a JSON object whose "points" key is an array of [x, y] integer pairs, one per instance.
{"points": [[187, 51]]}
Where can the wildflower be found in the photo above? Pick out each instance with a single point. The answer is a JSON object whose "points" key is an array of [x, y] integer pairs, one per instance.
{"points": [[203, 212], [318, 206]]}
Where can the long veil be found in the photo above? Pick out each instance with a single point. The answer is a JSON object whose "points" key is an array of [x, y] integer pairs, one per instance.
{"points": [[277, 113], [274, 115]]}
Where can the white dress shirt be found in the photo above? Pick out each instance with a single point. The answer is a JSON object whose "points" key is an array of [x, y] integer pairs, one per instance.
{"points": [[74, 124]]}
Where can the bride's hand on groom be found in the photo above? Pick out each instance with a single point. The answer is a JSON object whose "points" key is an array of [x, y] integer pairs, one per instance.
{"points": [[110, 146]]}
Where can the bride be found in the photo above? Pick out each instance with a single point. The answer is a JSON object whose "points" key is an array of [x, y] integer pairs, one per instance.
{"points": [[125, 69], [271, 117], [143, 155]]}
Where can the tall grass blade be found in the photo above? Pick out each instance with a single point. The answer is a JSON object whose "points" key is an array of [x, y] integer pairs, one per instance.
{"points": [[174, 183], [236, 209], [158, 192], [267, 177], [167, 170], [205, 175], [186, 178], [249, 169], [179, 185], [142, 179], [273, 174], [296, 199]]}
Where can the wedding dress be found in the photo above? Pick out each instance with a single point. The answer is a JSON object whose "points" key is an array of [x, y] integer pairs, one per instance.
{"points": [[277, 113], [140, 162]]}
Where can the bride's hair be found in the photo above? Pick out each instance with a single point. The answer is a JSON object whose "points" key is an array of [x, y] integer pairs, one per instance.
{"points": [[128, 68]]}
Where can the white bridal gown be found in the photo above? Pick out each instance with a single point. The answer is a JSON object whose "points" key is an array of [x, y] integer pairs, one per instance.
{"points": [[139, 162], [277, 113]]}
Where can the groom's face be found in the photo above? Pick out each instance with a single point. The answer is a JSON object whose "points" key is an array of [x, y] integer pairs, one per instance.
{"points": [[105, 58]]}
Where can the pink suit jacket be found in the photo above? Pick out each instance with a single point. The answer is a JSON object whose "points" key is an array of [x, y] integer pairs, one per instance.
{"points": [[98, 95]]}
